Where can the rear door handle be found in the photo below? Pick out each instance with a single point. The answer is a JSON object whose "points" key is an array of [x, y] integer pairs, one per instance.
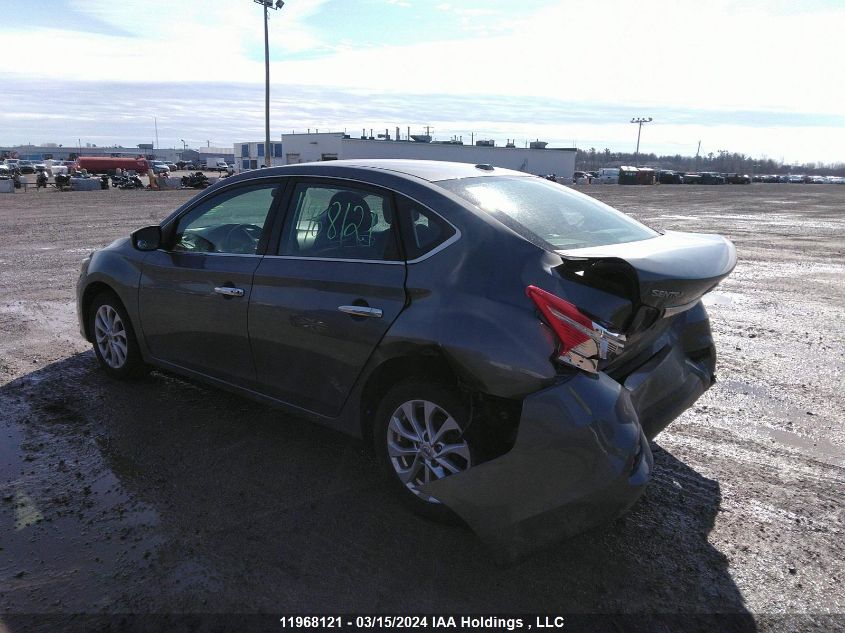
{"points": [[361, 311], [228, 291]]}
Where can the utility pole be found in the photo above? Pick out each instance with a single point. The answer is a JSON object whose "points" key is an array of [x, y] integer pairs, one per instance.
{"points": [[639, 121], [267, 4]]}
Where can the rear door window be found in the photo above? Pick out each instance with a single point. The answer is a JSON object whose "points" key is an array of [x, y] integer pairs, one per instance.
{"points": [[331, 221]]}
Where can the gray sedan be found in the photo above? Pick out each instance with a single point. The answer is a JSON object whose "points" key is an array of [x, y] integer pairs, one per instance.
{"points": [[506, 345]]}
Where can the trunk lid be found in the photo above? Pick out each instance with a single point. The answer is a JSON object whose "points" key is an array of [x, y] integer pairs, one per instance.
{"points": [[671, 270], [635, 288]]}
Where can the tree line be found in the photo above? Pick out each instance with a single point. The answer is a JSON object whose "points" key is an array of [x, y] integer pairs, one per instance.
{"points": [[722, 161]]}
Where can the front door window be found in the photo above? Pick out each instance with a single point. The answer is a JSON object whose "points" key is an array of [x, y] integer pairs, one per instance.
{"points": [[231, 222]]}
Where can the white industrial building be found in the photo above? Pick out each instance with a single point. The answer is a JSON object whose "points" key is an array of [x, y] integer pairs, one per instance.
{"points": [[302, 148]]}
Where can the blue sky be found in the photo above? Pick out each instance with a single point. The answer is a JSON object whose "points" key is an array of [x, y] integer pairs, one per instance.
{"points": [[755, 77]]}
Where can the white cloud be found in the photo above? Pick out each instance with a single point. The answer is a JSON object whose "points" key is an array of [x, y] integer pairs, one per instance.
{"points": [[231, 24], [721, 55], [718, 56], [108, 112]]}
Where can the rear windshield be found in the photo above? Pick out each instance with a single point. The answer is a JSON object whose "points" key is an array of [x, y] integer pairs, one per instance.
{"points": [[548, 214]]}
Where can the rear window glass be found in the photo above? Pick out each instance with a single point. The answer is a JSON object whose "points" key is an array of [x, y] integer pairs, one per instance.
{"points": [[549, 214]]}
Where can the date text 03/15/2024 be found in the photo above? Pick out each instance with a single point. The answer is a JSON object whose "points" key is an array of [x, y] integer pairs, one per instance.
{"points": [[422, 622]]}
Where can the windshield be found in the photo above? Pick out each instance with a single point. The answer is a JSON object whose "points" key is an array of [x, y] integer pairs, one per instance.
{"points": [[547, 213]]}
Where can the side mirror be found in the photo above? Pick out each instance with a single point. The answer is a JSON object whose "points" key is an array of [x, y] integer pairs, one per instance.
{"points": [[147, 239]]}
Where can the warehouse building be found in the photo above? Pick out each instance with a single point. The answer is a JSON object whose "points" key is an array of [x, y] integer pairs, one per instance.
{"points": [[319, 146]]}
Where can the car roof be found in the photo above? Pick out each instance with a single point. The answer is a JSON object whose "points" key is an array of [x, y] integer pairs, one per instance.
{"points": [[430, 170]]}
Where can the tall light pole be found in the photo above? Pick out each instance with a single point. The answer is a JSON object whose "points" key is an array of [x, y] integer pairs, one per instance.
{"points": [[267, 4], [639, 121]]}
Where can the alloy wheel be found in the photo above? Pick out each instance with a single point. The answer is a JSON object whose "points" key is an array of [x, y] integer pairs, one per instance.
{"points": [[110, 335], [425, 443]]}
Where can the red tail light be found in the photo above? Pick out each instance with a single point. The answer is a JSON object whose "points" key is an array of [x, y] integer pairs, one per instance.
{"points": [[582, 342], [563, 317]]}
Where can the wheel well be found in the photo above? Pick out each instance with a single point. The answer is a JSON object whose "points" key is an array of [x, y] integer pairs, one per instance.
{"points": [[87, 299], [429, 366], [493, 420]]}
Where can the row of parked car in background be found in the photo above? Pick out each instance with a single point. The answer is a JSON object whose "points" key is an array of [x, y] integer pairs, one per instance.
{"points": [[21, 166], [12, 166], [104, 172], [218, 165], [647, 176], [801, 179]]}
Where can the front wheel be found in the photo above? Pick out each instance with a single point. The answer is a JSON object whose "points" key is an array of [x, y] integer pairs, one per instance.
{"points": [[115, 345], [419, 438]]}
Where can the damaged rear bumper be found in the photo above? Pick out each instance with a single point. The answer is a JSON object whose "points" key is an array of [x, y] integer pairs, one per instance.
{"points": [[667, 385], [581, 456]]}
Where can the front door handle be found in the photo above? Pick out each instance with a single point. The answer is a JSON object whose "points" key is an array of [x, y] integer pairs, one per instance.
{"points": [[361, 311], [228, 291]]}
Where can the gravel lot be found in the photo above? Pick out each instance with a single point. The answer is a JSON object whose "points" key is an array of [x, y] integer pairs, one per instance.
{"points": [[166, 496]]}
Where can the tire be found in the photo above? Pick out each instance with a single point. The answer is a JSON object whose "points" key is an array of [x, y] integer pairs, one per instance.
{"points": [[115, 345], [445, 412]]}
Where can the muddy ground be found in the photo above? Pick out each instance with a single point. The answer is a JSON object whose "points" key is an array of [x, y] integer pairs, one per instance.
{"points": [[165, 496]]}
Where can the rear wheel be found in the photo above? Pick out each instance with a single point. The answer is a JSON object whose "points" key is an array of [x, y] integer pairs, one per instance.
{"points": [[115, 345], [418, 439]]}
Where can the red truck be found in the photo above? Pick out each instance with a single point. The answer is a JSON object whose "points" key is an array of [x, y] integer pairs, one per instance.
{"points": [[108, 164]]}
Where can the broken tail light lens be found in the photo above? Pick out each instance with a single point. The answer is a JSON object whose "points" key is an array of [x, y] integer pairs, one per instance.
{"points": [[583, 343]]}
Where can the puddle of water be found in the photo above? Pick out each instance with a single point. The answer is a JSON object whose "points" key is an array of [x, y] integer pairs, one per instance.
{"points": [[816, 448], [9, 449], [26, 512], [739, 386], [13, 308], [720, 299]]}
